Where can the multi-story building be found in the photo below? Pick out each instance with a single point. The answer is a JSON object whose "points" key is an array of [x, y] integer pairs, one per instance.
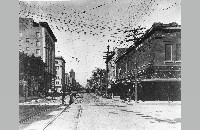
{"points": [[111, 63], [38, 39], [60, 74], [154, 62], [72, 78], [67, 80]]}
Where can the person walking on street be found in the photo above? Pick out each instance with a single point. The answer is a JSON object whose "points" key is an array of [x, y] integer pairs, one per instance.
{"points": [[71, 98]]}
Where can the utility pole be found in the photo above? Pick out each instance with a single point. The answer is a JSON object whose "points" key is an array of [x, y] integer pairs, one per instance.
{"points": [[136, 75], [106, 57]]}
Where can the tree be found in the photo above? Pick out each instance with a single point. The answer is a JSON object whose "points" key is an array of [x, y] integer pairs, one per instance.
{"points": [[132, 36], [31, 71], [98, 78]]}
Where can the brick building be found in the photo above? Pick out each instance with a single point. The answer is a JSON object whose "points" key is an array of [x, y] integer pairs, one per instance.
{"points": [[38, 39], [60, 74], [155, 60]]}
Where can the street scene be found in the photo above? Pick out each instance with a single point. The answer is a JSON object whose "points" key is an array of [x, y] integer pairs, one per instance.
{"points": [[100, 64], [92, 112]]}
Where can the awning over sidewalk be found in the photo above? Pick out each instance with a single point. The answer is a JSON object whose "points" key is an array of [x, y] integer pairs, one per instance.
{"points": [[160, 80]]}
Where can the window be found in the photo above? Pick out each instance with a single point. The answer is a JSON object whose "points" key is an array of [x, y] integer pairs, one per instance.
{"points": [[37, 34], [37, 43], [20, 42], [57, 77], [178, 52], [56, 62], [38, 51], [27, 48], [20, 34], [27, 39], [168, 52]]}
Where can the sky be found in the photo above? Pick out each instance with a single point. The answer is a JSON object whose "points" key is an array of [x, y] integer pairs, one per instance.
{"points": [[84, 28]]}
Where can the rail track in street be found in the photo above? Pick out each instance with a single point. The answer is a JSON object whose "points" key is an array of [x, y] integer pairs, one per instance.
{"points": [[55, 118], [34, 110], [78, 100]]}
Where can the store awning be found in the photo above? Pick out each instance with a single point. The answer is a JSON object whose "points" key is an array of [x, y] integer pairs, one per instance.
{"points": [[161, 80]]}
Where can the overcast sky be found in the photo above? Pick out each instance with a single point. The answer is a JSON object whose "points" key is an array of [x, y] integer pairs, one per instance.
{"points": [[84, 28]]}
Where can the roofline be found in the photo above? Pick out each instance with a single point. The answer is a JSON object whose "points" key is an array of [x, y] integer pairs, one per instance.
{"points": [[60, 57], [155, 27], [46, 25], [110, 57]]}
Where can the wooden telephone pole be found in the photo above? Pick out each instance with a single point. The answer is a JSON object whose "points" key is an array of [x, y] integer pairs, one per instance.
{"points": [[106, 57]]}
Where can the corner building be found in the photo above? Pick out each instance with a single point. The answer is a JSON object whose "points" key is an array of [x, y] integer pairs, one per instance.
{"points": [[156, 59]]}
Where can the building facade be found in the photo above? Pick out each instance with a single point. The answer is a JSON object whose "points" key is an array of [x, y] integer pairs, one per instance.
{"points": [[60, 74], [38, 39], [154, 61], [67, 81], [72, 78], [111, 63]]}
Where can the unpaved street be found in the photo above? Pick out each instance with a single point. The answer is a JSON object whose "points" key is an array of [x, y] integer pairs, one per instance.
{"points": [[96, 113]]}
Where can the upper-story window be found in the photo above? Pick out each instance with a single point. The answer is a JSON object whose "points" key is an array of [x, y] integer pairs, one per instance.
{"points": [[37, 43], [27, 48], [56, 62], [37, 34], [27, 39], [168, 52], [20, 42], [178, 52], [38, 51], [20, 34], [57, 67]]}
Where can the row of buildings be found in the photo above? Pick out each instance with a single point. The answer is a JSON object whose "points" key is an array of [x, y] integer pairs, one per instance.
{"points": [[154, 62], [38, 39]]}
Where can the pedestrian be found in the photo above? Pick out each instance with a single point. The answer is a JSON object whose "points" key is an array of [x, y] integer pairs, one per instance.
{"points": [[70, 99]]}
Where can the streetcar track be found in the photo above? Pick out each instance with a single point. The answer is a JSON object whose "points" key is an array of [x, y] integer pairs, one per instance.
{"points": [[38, 113], [78, 115], [55, 117]]}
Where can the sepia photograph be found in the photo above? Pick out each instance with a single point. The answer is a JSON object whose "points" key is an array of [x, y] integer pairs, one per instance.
{"points": [[100, 65]]}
